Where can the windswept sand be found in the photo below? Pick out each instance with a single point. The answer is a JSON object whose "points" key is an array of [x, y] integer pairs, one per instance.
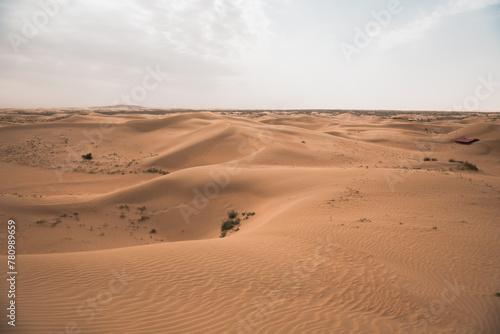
{"points": [[353, 231]]}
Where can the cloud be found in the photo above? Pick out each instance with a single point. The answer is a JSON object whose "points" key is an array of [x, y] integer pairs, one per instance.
{"points": [[227, 32], [418, 28]]}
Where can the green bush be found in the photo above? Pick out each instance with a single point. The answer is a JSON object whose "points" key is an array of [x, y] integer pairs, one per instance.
{"points": [[229, 224], [232, 214], [87, 156]]}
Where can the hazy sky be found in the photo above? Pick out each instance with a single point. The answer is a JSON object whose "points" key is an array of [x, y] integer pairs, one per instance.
{"points": [[347, 54]]}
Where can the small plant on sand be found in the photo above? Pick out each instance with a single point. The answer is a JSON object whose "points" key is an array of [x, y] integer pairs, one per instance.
{"points": [[143, 218], [124, 206], [141, 208], [470, 166], [434, 159], [56, 221], [452, 160], [427, 159], [153, 231], [435, 228], [122, 215], [87, 156], [232, 214], [41, 221], [229, 224], [497, 294]]}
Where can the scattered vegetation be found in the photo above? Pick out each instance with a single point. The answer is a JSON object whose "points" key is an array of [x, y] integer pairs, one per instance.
{"points": [[143, 218], [56, 221], [497, 294], [470, 166], [233, 222], [452, 160], [87, 156], [303, 142], [427, 159], [228, 224], [122, 215], [156, 170], [434, 159], [435, 228], [141, 208], [124, 206], [41, 221], [153, 231]]}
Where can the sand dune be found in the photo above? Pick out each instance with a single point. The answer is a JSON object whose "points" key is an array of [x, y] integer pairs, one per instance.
{"points": [[353, 232]]}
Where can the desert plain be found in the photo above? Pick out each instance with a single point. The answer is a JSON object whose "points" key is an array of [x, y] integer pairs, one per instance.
{"points": [[222, 221]]}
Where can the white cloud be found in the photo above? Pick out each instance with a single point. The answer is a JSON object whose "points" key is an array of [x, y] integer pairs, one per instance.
{"points": [[418, 28]]}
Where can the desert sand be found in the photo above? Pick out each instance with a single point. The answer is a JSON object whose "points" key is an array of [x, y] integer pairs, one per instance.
{"points": [[365, 222]]}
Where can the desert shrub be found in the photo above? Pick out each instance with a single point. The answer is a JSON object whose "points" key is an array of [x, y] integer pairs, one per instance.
{"points": [[153, 231], [156, 170], [434, 159], [123, 206], [141, 208], [232, 214], [41, 221], [452, 160], [87, 156], [143, 218], [427, 159], [470, 166], [229, 224]]}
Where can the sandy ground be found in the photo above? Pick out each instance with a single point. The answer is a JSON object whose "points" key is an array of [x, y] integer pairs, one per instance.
{"points": [[353, 231]]}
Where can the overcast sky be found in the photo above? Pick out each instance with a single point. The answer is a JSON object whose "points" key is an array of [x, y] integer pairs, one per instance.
{"points": [[279, 54]]}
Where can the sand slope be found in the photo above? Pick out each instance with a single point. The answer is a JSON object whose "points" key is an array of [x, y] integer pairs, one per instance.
{"points": [[353, 231]]}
